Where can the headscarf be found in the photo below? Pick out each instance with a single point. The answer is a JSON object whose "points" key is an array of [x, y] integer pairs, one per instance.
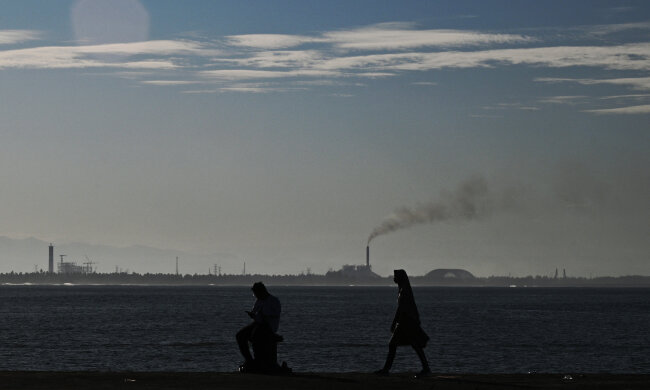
{"points": [[405, 302]]}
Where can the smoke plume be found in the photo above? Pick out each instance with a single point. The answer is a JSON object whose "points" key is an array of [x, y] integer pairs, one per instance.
{"points": [[470, 201]]}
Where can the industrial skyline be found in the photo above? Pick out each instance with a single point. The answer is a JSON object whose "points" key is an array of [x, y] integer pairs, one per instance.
{"points": [[348, 272], [491, 136]]}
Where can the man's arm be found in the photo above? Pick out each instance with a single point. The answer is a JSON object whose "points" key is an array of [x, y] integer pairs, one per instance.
{"points": [[257, 308]]}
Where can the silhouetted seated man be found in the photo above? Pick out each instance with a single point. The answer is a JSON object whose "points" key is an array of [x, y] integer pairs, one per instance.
{"points": [[261, 333]]}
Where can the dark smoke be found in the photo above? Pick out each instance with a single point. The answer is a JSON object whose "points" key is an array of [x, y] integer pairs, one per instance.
{"points": [[469, 201]]}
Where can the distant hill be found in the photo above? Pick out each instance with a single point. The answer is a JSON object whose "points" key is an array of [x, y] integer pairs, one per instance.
{"points": [[449, 274], [21, 255]]}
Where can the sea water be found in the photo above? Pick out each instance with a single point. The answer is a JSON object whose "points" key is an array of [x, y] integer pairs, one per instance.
{"points": [[326, 329]]}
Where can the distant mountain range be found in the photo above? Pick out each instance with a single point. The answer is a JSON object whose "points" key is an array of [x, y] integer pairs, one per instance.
{"points": [[23, 255]]}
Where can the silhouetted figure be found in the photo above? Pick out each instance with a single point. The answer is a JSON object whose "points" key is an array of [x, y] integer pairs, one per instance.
{"points": [[261, 333], [406, 326]]}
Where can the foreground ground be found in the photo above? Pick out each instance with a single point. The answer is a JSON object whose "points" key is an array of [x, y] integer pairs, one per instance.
{"points": [[199, 381]]}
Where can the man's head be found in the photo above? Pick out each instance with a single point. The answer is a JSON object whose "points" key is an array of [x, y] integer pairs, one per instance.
{"points": [[260, 291]]}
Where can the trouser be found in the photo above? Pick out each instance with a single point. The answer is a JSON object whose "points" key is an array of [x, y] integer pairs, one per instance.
{"points": [[261, 336], [243, 337]]}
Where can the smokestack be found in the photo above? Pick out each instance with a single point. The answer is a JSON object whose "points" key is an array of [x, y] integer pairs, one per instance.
{"points": [[368, 256], [50, 267]]}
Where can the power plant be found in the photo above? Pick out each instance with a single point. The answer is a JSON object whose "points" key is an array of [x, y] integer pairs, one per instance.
{"points": [[368, 256], [68, 267], [359, 273], [50, 268]]}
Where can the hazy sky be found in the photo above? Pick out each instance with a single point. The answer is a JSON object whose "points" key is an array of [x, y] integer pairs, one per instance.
{"points": [[282, 133]]}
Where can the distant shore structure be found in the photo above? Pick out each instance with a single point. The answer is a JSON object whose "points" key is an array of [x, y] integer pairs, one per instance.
{"points": [[50, 268], [357, 273], [368, 256]]}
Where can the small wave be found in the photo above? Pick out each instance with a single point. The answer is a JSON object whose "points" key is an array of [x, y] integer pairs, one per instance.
{"points": [[189, 345], [355, 345]]}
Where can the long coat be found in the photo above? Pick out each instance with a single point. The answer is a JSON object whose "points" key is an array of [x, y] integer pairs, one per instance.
{"points": [[406, 324]]}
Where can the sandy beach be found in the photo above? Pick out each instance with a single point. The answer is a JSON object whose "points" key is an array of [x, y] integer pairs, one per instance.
{"points": [[338, 381]]}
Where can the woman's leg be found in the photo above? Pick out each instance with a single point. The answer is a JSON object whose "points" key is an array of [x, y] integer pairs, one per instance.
{"points": [[392, 349], [423, 359]]}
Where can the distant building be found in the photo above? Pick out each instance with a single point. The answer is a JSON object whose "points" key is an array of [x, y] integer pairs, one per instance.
{"points": [[358, 273], [448, 274], [70, 268], [50, 263]]}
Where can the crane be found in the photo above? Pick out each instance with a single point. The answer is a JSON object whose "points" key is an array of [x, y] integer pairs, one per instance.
{"points": [[88, 265]]}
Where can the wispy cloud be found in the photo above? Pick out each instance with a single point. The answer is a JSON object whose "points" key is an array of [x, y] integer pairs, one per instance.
{"points": [[9, 37], [571, 100], [248, 74], [258, 89], [638, 83], [277, 59], [375, 51], [621, 57], [632, 110], [605, 29], [632, 96], [512, 106], [400, 36], [168, 82], [115, 55], [594, 101], [384, 36], [200, 91], [270, 41]]}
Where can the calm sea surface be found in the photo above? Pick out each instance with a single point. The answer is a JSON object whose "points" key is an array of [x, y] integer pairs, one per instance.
{"points": [[482, 330]]}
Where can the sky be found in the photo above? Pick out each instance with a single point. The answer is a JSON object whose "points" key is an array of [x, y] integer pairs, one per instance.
{"points": [[284, 134]]}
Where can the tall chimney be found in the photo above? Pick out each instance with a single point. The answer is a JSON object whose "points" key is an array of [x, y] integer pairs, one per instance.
{"points": [[50, 267], [368, 256]]}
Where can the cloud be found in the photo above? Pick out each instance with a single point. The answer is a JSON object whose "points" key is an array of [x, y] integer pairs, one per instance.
{"points": [[639, 96], [391, 43], [511, 106], [168, 82], [108, 55], [200, 91], [621, 57], [270, 41], [575, 99], [247, 74], [621, 9], [255, 89], [278, 59], [638, 83], [384, 36], [375, 51], [395, 36], [632, 110], [606, 29], [9, 37], [598, 101]]}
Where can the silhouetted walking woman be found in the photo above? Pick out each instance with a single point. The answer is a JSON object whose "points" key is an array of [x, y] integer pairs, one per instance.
{"points": [[406, 326]]}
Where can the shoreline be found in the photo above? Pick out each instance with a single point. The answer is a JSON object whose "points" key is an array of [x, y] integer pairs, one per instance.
{"points": [[520, 287], [339, 381]]}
